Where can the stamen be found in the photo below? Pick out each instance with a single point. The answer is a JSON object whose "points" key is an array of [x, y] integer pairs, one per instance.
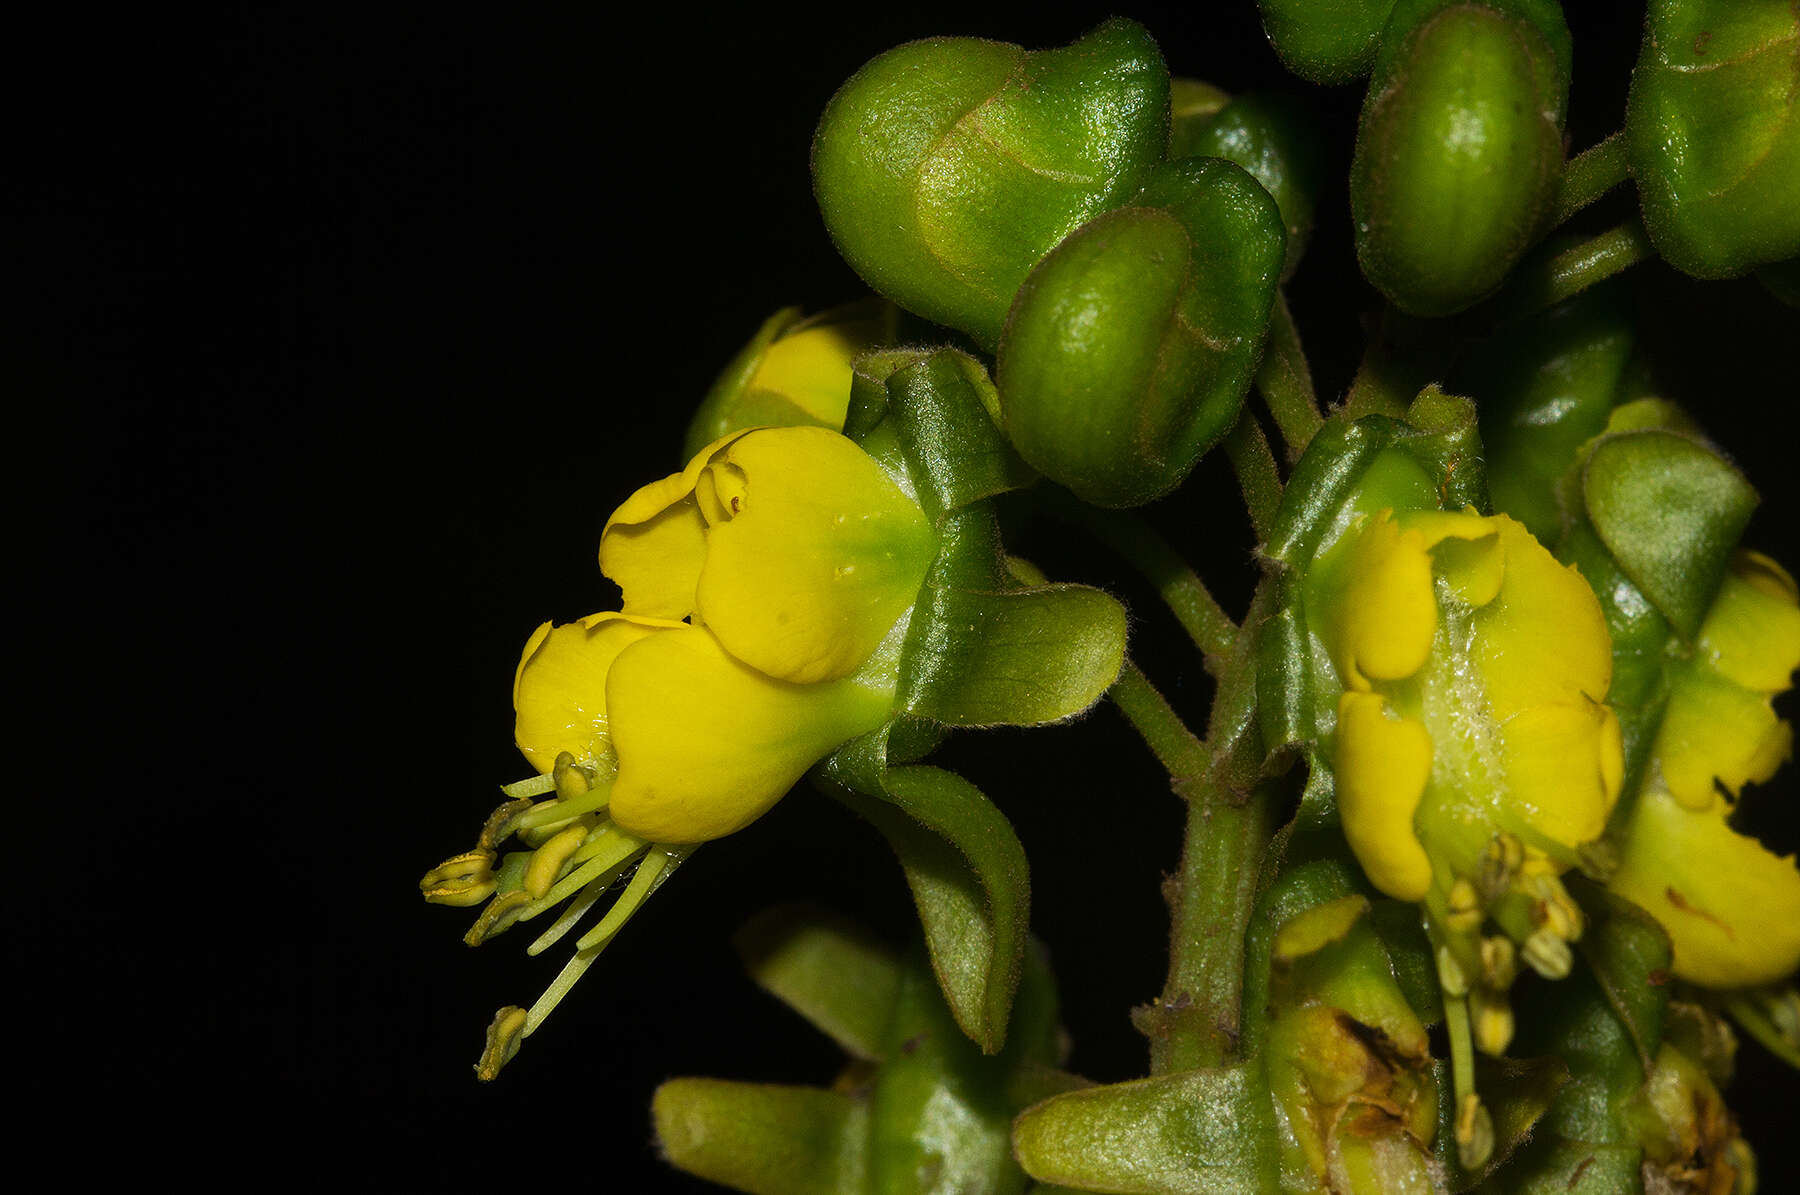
{"points": [[531, 786], [1499, 963], [1548, 954], [1500, 861], [1474, 1132], [613, 852], [570, 778], [1451, 976], [467, 879], [498, 917], [499, 826], [547, 863], [1493, 1018], [572, 915], [503, 1035], [657, 867], [547, 813], [1463, 914]]}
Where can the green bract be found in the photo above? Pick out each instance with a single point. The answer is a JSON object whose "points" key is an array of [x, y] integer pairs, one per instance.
{"points": [[1272, 137], [1326, 41], [1459, 151], [946, 168], [1714, 130], [1130, 348]]}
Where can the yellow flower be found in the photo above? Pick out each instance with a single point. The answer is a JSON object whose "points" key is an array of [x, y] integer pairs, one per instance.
{"points": [[1732, 908], [767, 592], [796, 558]]}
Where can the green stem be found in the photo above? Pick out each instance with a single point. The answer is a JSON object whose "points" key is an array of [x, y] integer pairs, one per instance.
{"points": [[1179, 586], [1285, 381], [1257, 475], [1177, 748], [1577, 268], [1591, 174]]}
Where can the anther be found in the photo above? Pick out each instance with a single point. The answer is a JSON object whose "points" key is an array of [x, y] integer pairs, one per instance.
{"points": [[1451, 976], [500, 823], [1474, 1132], [1548, 954], [547, 861], [572, 780], [1499, 962], [1463, 913], [468, 879], [504, 1033], [499, 915], [1493, 1018]]}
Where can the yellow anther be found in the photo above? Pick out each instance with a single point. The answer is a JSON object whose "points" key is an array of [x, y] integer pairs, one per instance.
{"points": [[500, 913], [504, 1033], [1463, 913], [1493, 1018], [1500, 862], [547, 863], [1548, 954], [1474, 1132], [1451, 976], [1598, 859], [500, 823], [1499, 963], [467, 879], [572, 779]]}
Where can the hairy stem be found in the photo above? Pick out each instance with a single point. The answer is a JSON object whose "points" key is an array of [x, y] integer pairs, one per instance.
{"points": [[1591, 174], [1285, 382], [1257, 475], [1179, 586], [1577, 268], [1177, 748]]}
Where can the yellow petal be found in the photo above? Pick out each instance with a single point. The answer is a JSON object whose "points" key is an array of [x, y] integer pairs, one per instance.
{"points": [[1387, 612], [1382, 764], [1543, 638], [1563, 768], [821, 556], [1465, 549], [1714, 729], [1752, 633], [1731, 907], [811, 368], [707, 744], [559, 690], [654, 544]]}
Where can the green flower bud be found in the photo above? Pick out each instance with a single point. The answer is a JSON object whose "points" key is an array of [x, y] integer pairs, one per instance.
{"points": [[1459, 152], [1129, 349], [1273, 138], [1713, 125], [1192, 105], [946, 168], [1325, 41]]}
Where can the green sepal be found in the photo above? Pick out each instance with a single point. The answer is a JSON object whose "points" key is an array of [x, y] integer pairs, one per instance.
{"points": [[1459, 151], [1298, 888], [841, 978], [1331, 42], [1629, 955], [1518, 1094], [940, 1112], [1192, 105], [982, 651], [946, 168], [944, 413], [1275, 138], [1191, 1133], [762, 1138], [1129, 349], [1670, 510], [968, 875], [1713, 129], [1545, 388]]}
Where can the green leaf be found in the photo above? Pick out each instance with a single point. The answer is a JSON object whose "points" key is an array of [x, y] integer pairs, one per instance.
{"points": [[946, 168], [761, 1138], [1629, 955], [1552, 1166], [1193, 1133], [1129, 349], [831, 971], [967, 871], [1713, 127], [1670, 510]]}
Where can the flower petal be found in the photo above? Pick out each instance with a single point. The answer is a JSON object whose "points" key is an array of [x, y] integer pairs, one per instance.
{"points": [[1716, 730], [559, 690], [707, 744], [1564, 765], [654, 544], [1543, 638], [1382, 765], [1752, 633], [811, 367], [819, 558], [1388, 609], [1731, 907]]}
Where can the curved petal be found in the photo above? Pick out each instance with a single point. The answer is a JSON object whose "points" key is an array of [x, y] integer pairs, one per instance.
{"points": [[1752, 633], [1715, 730], [1543, 638], [559, 690], [1382, 764], [706, 744], [1387, 613], [654, 544], [1564, 764], [811, 367], [819, 555], [1731, 907]]}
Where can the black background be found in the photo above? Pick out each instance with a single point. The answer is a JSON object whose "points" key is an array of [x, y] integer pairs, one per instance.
{"points": [[344, 334]]}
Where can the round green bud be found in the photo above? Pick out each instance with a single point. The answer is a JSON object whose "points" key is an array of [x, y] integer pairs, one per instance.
{"points": [[1458, 155], [1325, 41], [946, 168], [1129, 349], [1713, 125], [1192, 105], [1273, 137]]}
